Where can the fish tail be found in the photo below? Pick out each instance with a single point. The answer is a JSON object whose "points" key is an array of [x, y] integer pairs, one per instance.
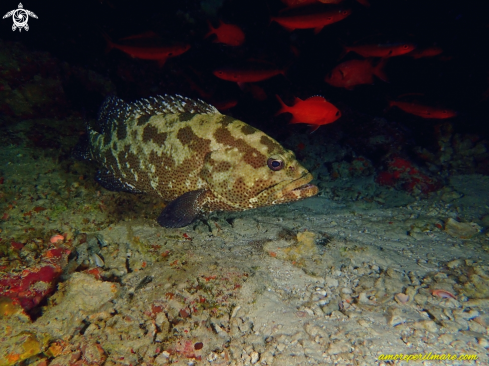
{"points": [[285, 107], [344, 52], [390, 104], [283, 72], [212, 30], [110, 44], [379, 70]]}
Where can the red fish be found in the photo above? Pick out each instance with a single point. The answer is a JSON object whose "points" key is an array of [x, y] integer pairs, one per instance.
{"points": [[225, 105], [298, 3], [310, 19], [423, 111], [148, 48], [229, 34], [365, 3], [355, 72], [330, 1], [362, 2], [144, 35], [383, 50], [425, 52], [249, 73], [314, 111]]}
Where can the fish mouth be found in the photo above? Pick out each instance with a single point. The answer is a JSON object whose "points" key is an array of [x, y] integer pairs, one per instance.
{"points": [[296, 190], [304, 187], [301, 185]]}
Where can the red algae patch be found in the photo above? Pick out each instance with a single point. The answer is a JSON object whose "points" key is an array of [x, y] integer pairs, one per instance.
{"points": [[33, 284]]}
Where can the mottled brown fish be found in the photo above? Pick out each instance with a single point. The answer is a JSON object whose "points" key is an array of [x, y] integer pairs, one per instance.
{"points": [[193, 157]]}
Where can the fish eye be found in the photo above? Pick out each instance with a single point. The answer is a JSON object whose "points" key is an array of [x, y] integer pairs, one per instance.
{"points": [[337, 113], [275, 164], [406, 46], [170, 54]]}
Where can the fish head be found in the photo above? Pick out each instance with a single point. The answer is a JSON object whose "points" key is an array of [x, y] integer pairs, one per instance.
{"points": [[226, 74], [335, 113], [253, 170], [343, 13], [335, 77], [403, 48]]}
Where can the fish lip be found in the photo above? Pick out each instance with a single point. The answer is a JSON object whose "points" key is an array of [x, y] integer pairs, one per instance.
{"points": [[293, 190], [301, 187], [299, 183], [304, 187]]}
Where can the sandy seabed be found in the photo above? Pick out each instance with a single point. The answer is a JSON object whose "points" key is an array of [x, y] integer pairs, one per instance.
{"points": [[316, 282]]}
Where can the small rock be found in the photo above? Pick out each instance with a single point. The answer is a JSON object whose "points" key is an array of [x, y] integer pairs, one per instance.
{"points": [[163, 358], [254, 357], [94, 354], [450, 196], [212, 357], [462, 230], [392, 273], [395, 317], [363, 299], [363, 323], [446, 338], [455, 263], [483, 342], [338, 315], [331, 282], [452, 327], [428, 325], [401, 298], [420, 299], [338, 347], [483, 303], [475, 327]]}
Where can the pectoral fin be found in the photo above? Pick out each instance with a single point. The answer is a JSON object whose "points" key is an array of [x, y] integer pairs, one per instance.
{"points": [[107, 180], [183, 210]]}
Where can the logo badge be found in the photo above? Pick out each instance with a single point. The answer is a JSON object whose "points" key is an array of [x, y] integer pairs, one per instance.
{"points": [[20, 17]]}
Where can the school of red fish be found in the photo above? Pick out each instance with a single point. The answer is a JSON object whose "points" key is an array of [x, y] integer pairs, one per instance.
{"points": [[361, 62]]}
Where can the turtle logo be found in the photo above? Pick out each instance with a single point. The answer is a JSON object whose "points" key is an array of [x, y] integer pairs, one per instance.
{"points": [[20, 17]]}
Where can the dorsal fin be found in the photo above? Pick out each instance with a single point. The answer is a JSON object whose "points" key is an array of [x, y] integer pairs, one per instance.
{"points": [[115, 110], [316, 98], [112, 110], [164, 104]]}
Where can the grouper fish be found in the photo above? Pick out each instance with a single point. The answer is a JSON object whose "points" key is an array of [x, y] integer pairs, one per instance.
{"points": [[193, 157]]}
